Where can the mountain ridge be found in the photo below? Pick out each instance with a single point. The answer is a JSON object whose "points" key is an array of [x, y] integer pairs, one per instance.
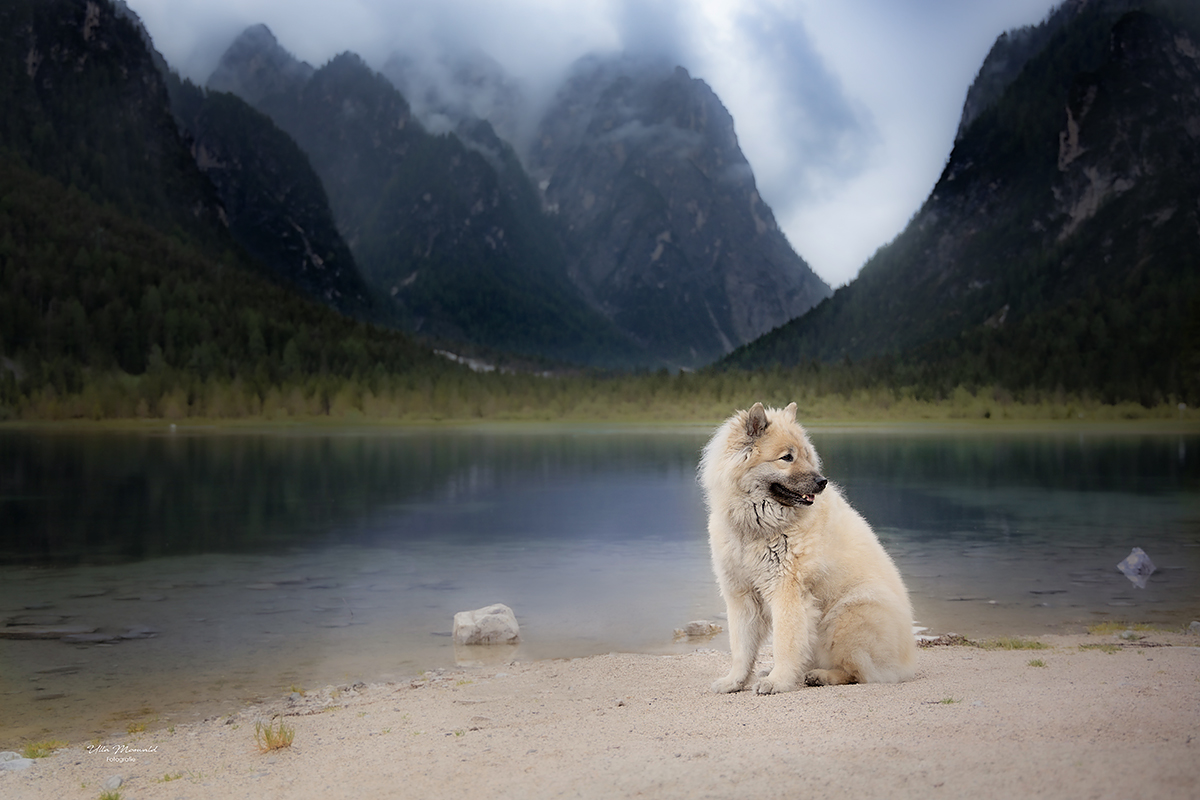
{"points": [[683, 303], [662, 221], [1074, 180], [452, 243]]}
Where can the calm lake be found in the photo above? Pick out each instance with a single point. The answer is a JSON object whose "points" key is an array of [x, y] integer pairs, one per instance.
{"points": [[243, 563]]}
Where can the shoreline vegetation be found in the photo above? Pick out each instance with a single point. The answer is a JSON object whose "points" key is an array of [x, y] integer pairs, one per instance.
{"points": [[456, 396]]}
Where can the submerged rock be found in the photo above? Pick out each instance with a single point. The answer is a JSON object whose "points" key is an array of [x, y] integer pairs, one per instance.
{"points": [[698, 629], [38, 619], [90, 638], [139, 632], [44, 632]]}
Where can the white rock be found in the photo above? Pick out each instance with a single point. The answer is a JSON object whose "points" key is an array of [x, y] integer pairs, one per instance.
{"points": [[495, 624], [12, 761]]}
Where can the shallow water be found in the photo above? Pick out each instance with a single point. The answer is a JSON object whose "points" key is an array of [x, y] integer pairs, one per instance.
{"points": [[282, 558]]}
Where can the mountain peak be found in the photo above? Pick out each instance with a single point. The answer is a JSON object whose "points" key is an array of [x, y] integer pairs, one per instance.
{"points": [[256, 66], [1013, 49], [663, 221]]}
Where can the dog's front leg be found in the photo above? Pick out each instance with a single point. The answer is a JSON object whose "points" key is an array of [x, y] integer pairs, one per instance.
{"points": [[747, 626], [791, 633]]}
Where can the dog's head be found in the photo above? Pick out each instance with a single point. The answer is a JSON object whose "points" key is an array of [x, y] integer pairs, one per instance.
{"points": [[780, 462]]}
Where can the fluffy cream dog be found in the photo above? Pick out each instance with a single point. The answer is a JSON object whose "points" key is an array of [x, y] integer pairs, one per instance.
{"points": [[794, 558]]}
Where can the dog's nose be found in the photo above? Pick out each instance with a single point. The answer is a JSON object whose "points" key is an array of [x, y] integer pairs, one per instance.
{"points": [[821, 483]]}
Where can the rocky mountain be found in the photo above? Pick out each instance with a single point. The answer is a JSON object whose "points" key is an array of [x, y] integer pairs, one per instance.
{"points": [[453, 235], [256, 68], [663, 226], [273, 202], [85, 104], [94, 112], [1058, 249], [121, 285], [1013, 49], [644, 240]]}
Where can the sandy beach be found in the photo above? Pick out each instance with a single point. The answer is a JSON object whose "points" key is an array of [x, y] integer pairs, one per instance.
{"points": [[1089, 716]]}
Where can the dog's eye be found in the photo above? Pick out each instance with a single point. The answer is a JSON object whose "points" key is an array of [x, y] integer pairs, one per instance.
{"points": [[788, 457]]}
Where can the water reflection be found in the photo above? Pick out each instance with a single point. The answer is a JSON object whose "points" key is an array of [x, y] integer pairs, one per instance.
{"points": [[312, 557], [96, 498]]}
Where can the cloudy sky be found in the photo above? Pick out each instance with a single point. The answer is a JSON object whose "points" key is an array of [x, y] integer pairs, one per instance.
{"points": [[846, 110]]}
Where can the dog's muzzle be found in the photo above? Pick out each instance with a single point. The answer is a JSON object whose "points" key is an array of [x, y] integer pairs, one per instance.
{"points": [[789, 497]]}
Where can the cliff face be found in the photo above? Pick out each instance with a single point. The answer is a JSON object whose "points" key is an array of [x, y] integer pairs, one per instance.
{"points": [[85, 104], [451, 235], [1058, 247], [644, 240], [663, 225], [273, 202]]}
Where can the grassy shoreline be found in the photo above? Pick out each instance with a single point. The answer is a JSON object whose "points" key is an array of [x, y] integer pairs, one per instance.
{"points": [[642, 399], [317, 423]]}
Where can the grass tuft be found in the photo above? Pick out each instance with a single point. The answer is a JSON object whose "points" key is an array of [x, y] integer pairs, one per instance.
{"points": [[269, 738], [1037, 662], [1012, 643], [42, 749]]}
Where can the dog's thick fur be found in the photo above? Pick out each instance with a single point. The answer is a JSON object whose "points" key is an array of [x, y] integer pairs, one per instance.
{"points": [[794, 558]]}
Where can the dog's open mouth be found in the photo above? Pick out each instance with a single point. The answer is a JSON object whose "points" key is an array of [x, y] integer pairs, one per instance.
{"points": [[789, 498]]}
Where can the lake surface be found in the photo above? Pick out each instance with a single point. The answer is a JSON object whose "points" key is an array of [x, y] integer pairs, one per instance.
{"points": [[301, 557]]}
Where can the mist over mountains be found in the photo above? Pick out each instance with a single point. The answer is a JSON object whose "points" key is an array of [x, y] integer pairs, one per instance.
{"points": [[613, 222], [630, 223]]}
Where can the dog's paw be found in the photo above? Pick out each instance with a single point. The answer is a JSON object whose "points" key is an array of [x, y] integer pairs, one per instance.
{"points": [[728, 684], [773, 685], [816, 677], [827, 677]]}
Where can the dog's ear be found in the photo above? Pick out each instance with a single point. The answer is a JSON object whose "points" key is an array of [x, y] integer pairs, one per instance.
{"points": [[756, 421], [791, 411]]}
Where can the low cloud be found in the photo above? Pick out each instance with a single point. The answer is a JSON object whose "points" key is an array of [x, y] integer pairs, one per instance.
{"points": [[832, 102]]}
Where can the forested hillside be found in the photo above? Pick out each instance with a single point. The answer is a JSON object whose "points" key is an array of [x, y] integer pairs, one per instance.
{"points": [[150, 261], [1060, 251], [105, 316], [85, 104], [122, 292]]}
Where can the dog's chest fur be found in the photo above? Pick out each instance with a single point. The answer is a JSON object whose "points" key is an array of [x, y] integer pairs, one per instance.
{"points": [[764, 544]]}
